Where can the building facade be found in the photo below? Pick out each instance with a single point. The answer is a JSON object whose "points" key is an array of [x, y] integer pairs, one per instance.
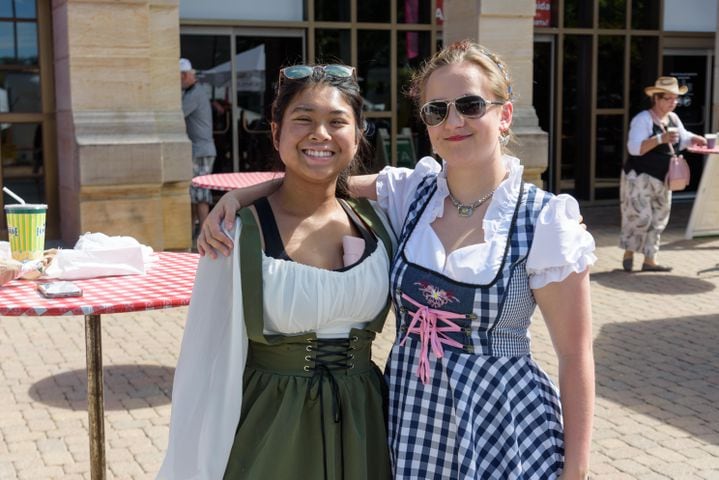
{"points": [[90, 116], [592, 60]]}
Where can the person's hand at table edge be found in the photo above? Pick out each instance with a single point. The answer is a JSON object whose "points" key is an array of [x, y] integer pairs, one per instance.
{"points": [[698, 141], [221, 219], [9, 270]]}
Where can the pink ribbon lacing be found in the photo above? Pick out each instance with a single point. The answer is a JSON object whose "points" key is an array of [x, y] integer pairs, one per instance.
{"points": [[426, 323]]}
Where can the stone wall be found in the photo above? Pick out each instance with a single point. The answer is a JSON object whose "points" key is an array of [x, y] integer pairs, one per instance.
{"points": [[506, 28], [124, 160]]}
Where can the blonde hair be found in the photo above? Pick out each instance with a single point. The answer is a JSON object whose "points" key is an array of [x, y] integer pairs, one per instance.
{"points": [[464, 51], [494, 69]]}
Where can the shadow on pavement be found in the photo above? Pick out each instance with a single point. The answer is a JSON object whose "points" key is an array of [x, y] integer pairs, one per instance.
{"points": [[127, 387], [666, 369], [693, 244], [647, 282], [604, 221]]}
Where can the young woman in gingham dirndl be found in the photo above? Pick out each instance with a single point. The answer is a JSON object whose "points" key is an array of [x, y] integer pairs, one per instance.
{"points": [[480, 414]]}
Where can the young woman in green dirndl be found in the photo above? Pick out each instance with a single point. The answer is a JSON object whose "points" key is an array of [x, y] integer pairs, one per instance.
{"points": [[275, 378]]}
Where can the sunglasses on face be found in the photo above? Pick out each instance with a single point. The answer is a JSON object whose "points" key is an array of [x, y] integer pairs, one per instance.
{"points": [[298, 72], [471, 106]]}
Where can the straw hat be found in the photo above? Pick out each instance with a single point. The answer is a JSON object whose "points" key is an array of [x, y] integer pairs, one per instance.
{"points": [[666, 85]]}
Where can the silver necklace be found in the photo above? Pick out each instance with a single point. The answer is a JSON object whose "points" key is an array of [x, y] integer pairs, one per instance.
{"points": [[465, 210]]}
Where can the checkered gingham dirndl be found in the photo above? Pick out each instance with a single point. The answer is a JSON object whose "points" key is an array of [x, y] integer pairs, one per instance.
{"points": [[488, 411]]}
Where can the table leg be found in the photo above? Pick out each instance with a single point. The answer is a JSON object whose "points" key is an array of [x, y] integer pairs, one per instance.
{"points": [[95, 402]]}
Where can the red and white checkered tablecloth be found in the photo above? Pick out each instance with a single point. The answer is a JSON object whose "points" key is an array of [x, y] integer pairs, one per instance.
{"points": [[167, 283], [230, 181]]}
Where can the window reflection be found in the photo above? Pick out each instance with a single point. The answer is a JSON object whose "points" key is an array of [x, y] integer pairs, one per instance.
{"points": [[22, 160], [645, 14], [576, 110], [643, 71], [414, 11], [27, 43], [377, 11], [18, 43], [578, 13], [374, 69], [6, 8], [332, 46], [610, 154], [20, 92], [612, 14], [332, 10], [610, 92], [17, 9], [412, 49]]}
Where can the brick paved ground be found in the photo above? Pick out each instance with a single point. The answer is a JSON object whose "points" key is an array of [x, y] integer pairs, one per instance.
{"points": [[656, 346]]}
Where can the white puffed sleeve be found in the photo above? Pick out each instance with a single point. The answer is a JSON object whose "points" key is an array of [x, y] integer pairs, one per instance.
{"points": [[561, 245], [396, 188]]}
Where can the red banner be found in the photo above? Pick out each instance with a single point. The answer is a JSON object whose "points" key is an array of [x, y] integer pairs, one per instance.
{"points": [[439, 12], [543, 13]]}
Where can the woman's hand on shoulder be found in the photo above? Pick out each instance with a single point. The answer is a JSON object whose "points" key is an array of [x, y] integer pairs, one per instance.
{"points": [[214, 236]]}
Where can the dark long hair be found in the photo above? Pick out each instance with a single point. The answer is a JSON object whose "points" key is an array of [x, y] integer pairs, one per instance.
{"points": [[288, 89]]}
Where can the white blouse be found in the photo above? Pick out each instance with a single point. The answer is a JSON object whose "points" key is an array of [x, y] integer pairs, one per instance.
{"points": [[300, 298], [561, 245], [642, 127]]}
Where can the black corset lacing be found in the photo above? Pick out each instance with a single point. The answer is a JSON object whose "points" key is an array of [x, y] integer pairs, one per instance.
{"points": [[331, 355]]}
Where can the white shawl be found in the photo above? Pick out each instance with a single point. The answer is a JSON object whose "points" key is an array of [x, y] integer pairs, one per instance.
{"points": [[207, 389]]}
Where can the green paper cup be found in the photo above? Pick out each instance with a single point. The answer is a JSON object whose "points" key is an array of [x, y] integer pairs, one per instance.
{"points": [[26, 230]]}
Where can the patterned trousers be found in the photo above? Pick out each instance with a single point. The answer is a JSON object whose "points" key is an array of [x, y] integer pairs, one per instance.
{"points": [[646, 204]]}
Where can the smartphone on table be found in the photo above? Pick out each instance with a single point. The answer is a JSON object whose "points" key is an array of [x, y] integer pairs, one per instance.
{"points": [[59, 289]]}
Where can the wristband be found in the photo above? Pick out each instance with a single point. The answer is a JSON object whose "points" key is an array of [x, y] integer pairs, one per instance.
{"points": [[659, 138]]}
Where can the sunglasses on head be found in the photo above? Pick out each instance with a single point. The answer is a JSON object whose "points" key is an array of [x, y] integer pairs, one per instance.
{"points": [[298, 72], [471, 106]]}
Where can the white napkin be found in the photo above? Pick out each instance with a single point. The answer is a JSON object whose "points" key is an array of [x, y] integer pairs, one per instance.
{"points": [[99, 255]]}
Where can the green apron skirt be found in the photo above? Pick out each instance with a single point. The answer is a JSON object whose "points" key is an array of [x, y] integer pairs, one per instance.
{"points": [[312, 408], [311, 419]]}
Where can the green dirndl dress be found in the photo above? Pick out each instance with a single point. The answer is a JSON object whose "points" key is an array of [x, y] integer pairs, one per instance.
{"points": [[312, 408]]}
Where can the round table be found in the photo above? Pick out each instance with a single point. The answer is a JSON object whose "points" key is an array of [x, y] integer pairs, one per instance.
{"points": [[167, 283], [230, 181], [703, 150]]}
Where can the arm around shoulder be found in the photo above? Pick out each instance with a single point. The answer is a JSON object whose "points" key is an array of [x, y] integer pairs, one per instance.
{"points": [[213, 237]]}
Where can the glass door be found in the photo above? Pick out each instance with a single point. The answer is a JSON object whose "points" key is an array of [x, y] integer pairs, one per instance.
{"points": [[543, 100], [258, 60], [693, 68], [238, 68]]}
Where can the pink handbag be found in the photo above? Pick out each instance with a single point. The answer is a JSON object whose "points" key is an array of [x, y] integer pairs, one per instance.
{"points": [[678, 176]]}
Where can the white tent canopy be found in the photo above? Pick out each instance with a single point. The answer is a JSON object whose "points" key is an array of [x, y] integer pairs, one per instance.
{"points": [[250, 68]]}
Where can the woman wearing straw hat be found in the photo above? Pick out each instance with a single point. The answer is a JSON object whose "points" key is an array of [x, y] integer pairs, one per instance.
{"points": [[645, 199]]}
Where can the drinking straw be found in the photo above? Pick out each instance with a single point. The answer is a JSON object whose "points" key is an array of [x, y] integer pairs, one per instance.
{"points": [[13, 195]]}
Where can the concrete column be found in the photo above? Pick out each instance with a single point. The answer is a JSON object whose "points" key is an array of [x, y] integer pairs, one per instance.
{"points": [[506, 28], [124, 159]]}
